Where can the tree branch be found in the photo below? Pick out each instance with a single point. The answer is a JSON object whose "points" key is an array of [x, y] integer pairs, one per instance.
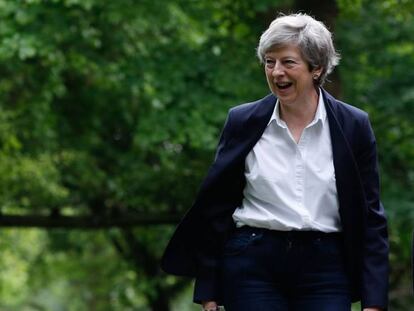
{"points": [[87, 222]]}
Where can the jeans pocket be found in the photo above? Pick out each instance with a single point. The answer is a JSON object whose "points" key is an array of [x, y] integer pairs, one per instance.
{"points": [[240, 241]]}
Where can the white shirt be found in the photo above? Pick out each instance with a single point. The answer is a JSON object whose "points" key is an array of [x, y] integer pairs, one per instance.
{"points": [[289, 185]]}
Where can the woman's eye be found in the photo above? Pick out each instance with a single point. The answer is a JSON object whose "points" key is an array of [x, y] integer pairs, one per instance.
{"points": [[269, 62]]}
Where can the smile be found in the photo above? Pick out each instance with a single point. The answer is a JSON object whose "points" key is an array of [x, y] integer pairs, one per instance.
{"points": [[283, 85]]}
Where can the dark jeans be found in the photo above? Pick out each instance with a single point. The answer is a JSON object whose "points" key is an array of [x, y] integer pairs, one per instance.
{"points": [[284, 271]]}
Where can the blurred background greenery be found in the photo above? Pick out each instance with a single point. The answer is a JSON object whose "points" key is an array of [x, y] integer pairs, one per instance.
{"points": [[113, 108]]}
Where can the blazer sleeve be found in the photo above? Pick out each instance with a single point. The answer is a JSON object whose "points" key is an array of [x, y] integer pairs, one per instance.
{"points": [[375, 264], [206, 286]]}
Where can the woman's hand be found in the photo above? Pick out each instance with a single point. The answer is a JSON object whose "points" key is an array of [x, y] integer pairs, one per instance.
{"points": [[209, 306]]}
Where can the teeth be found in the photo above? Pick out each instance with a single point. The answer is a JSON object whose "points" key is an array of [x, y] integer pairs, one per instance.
{"points": [[283, 84]]}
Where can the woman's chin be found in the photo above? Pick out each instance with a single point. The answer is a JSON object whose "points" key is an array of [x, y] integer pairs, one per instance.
{"points": [[283, 94], [284, 98]]}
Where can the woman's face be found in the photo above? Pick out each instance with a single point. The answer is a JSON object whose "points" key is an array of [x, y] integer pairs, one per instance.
{"points": [[288, 75]]}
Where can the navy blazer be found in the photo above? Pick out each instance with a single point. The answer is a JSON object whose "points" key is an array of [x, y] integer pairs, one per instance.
{"points": [[195, 247]]}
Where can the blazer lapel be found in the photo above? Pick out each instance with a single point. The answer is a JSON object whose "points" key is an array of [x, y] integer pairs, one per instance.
{"points": [[227, 173], [257, 122], [346, 172], [249, 126]]}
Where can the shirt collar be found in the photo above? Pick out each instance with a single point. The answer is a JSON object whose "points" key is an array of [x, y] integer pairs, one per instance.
{"points": [[320, 113]]}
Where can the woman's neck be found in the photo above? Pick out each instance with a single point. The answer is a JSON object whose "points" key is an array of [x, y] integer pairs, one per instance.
{"points": [[300, 113]]}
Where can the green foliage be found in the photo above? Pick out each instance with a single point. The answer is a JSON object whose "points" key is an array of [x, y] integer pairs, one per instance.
{"points": [[18, 252], [30, 182], [65, 271], [116, 106], [376, 41], [126, 109], [379, 80]]}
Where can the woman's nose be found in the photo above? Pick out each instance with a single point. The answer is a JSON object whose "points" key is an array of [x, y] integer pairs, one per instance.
{"points": [[277, 69]]}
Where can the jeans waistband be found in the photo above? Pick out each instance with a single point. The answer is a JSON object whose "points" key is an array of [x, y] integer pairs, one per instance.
{"points": [[292, 234]]}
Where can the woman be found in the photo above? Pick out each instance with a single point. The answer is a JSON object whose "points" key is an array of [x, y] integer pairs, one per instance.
{"points": [[289, 216]]}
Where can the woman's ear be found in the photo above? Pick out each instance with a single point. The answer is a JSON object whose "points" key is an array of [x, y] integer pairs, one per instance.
{"points": [[316, 73]]}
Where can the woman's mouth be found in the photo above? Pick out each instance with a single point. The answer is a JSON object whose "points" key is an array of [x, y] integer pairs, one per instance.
{"points": [[283, 85]]}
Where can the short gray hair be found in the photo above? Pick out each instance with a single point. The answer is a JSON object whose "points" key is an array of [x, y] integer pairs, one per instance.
{"points": [[311, 37]]}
